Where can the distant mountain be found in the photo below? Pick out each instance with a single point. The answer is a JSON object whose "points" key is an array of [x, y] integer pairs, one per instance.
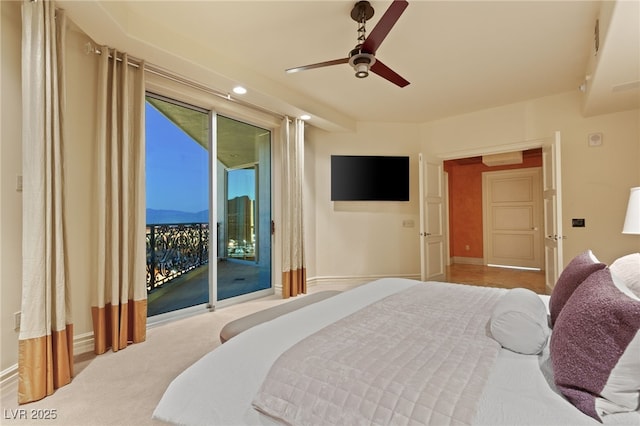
{"points": [[157, 217]]}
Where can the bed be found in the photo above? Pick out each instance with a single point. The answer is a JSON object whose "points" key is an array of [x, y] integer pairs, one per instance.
{"points": [[399, 351]]}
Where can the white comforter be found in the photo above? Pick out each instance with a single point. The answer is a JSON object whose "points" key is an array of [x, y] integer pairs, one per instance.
{"points": [[219, 388], [420, 356]]}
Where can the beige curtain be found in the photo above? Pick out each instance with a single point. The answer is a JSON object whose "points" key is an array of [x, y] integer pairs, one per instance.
{"points": [[45, 343], [294, 273], [119, 307]]}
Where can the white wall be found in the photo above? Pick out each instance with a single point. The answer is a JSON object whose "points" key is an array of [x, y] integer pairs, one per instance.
{"points": [[10, 167], [80, 180], [358, 240]]}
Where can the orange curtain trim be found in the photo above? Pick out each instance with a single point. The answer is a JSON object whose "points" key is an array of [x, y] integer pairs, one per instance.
{"points": [[294, 282], [116, 326], [44, 364]]}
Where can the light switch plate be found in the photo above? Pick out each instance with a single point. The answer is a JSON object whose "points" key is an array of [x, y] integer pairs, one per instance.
{"points": [[578, 223]]}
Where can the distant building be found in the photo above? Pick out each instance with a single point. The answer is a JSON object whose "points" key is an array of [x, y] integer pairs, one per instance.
{"points": [[241, 227]]}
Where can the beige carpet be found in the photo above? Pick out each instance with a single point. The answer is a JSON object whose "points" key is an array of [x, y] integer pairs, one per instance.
{"points": [[123, 388]]}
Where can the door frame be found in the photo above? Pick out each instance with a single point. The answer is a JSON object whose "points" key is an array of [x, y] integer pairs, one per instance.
{"points": [[553, 162]]}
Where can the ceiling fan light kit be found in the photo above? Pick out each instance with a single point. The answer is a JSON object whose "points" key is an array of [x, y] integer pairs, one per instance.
{"points": [[362, 57], [361, 62], [362, 70]]}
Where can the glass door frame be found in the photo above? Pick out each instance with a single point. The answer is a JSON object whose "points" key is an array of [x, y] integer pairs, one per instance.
{"points": [[255, 167], [213, 273], [188, 310], [196, 97]]}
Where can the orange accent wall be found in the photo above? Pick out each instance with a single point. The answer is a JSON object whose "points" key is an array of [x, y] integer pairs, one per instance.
{"points": [[465, 202]]}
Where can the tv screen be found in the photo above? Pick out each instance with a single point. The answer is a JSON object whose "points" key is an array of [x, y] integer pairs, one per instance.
{"points": [[369, 178]]}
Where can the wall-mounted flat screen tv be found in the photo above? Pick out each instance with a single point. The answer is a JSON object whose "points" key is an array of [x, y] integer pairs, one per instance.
{"points": [[369, 178]]}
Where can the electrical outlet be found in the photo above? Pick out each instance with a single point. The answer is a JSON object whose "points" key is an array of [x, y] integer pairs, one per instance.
{"points": [[19, 183], [16, 320], [408, 223]]}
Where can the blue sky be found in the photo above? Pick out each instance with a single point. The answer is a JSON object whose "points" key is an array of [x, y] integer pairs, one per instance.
{"points": [[177, 168]]}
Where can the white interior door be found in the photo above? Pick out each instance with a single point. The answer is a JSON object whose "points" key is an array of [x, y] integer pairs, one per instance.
{"points": [[512, 217], [432, 223], [552, 194]]}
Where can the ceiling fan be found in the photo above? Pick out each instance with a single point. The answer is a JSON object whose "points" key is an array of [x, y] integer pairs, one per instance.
{"points": [[362, 57]]}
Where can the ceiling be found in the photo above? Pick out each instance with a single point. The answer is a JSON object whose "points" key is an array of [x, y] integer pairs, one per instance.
{"points": [[459, 56], [237, 143]]}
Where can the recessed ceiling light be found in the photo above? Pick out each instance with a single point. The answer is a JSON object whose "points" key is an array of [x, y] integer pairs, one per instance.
{"points": [[305, 117], [239, 90]]}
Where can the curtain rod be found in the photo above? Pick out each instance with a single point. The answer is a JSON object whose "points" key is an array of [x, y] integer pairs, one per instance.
{"points": [[154, 69]]}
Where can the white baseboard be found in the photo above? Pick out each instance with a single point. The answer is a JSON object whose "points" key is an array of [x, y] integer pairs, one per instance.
{"points": [[353, 280], [83, 343], [8, 377]]}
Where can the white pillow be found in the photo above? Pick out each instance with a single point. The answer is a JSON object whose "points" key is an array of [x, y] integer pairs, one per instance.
{"points": [[627, 269], [519, 322]]}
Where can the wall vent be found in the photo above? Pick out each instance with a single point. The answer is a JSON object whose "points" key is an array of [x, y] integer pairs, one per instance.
{"points": [[503, 159]]}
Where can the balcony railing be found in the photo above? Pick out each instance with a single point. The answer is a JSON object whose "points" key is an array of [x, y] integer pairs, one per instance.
{"points": [[174, 249]]}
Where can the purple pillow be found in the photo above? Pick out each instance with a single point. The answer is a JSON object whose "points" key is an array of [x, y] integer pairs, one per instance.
{"points": [[595, 348], [571, 277]]}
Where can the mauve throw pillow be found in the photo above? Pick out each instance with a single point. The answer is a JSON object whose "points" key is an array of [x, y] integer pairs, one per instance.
{"points": [[595, 348], [571, 277]]}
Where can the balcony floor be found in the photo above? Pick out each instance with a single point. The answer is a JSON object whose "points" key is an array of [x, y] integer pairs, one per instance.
{"points": [[234, 278]]}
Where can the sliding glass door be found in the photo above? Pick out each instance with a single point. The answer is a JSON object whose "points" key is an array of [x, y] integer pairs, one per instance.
{"points": [[177, 194], [190, 262], [244, 208]]}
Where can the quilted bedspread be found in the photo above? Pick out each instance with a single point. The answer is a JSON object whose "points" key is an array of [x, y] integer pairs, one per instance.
{"points": [[420, 356]]}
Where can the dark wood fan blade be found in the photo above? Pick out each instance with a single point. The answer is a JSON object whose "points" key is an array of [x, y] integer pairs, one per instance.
{"points": [[387, 73], [384, 25], [319, 65]]}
